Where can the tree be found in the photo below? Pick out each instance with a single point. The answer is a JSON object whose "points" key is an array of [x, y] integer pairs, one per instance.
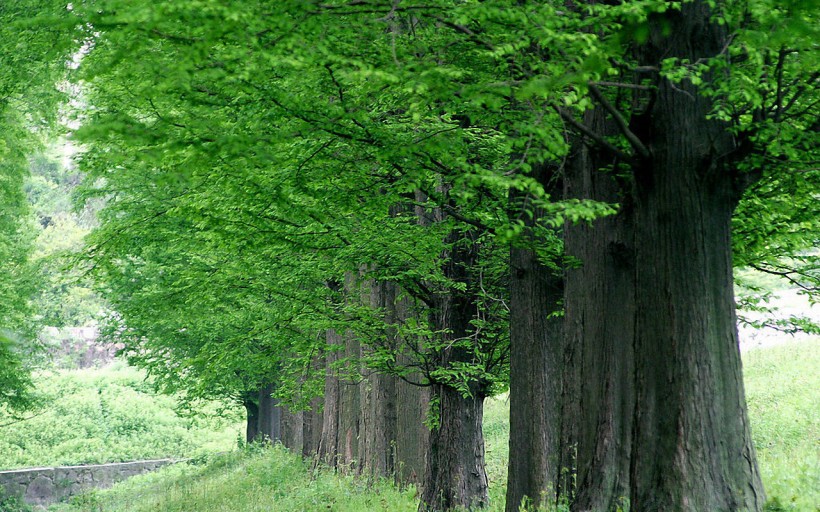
{"points": [[655, 282], [31, 57], [309, 144]]}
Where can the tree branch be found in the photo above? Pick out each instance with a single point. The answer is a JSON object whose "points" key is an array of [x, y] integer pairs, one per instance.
{"points": [[600, 141], [633, 139]]}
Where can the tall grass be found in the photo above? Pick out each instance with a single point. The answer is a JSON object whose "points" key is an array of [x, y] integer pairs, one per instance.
{"points": [[782, 386], [252, 480]]}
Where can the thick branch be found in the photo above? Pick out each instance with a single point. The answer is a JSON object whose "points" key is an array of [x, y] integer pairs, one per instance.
{"points": [[633, 139], [597, 139]]}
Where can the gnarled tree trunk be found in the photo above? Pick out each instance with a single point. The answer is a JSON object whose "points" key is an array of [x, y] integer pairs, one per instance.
{"points": [[663, 346]]}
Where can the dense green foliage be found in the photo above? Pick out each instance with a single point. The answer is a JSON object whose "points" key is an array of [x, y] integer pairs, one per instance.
{"points": [[63, 299], [111, 414], [782, 393], [35, 40], [255, 153]]}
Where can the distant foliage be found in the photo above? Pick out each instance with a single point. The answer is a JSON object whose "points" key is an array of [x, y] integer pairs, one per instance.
{"points": [[111, 415]]}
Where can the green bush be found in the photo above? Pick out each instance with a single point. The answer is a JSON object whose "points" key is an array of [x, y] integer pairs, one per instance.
{"points": [[111, 415], [12, 503]]}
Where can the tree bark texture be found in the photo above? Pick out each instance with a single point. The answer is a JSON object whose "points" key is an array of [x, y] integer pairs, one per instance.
{"points": [[293, 430], [270, 415], [251, 419], [456, 475], [692, 448], [379, 406], [360, 419], [669, 353], [536, 344], [536, 376], [599, 321], [329, 442]]}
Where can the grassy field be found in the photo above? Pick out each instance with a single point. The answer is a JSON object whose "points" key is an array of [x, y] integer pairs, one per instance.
{"points": [[782, 386], [110, 414]]}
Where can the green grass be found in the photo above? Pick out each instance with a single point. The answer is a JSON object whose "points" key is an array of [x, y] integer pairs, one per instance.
{"points": [[110, 414], [783, 393], [252, 480], [782, 386]]}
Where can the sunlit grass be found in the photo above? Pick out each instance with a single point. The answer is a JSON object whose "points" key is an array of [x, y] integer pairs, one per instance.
{"points": [[249, 481], [783, 393]]}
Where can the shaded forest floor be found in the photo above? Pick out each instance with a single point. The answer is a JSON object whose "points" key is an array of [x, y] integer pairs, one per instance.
{"points": [[782, 384]]}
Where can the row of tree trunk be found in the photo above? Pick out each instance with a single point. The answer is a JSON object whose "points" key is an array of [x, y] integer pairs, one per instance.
{"points": [[368, 424]]}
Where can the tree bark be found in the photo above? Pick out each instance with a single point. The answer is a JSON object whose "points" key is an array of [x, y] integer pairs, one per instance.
{"points": [[270, 415], [536, 376], [692, 448], [650, 314], [599, 396], [329, 442], [378, 398], [293, 430], [535, 382], [456, 475], [251, 419]]}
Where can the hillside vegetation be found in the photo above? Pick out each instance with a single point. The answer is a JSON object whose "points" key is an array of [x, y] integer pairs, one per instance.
{"points": [[110, 414]]}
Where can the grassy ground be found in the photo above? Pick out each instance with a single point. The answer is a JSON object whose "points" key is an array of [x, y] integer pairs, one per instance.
{"points": [[783, 393], [782, 386]]}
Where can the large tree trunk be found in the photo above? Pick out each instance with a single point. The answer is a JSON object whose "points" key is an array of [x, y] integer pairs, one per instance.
{"points": [[312, 436], [349, 411], [599, 321], [692, 448], [536, 380], [651, 312], [456, 475], [293, 430]]}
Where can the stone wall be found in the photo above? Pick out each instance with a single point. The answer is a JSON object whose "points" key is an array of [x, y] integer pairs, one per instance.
{"points": [[43, 486]]}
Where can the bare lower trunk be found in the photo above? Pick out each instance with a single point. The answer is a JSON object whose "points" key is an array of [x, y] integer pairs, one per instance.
{"points": [[251, 420], [599, 320], [536, 357], [270, 415], [536, 352], [456, 473], [328, 445]]}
